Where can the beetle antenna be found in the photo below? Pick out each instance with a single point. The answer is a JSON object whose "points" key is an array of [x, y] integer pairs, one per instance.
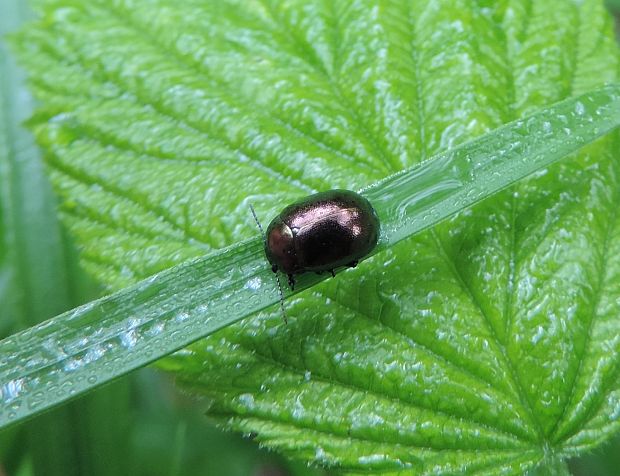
{"points": [[262, 232], [260, 227], [281, 299]]}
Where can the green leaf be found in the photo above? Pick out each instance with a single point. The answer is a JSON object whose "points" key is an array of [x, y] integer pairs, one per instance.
{"points": [[487, 344]]}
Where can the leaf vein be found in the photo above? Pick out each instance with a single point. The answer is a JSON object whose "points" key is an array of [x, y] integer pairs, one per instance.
{"points": [[270, 360], [423, 348], [507, 363], [350, 437], [596, 301], [347, 106], [223, 90], [155, 107], [139, 232], [82, 176]]}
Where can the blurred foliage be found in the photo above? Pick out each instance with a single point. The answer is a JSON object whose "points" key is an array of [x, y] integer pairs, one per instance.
{"points": [[614, 6]]}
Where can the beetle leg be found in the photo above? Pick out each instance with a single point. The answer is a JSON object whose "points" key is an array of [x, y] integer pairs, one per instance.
{"points": [[291, 282], [333, 274], [274, 268], [353, 264]]}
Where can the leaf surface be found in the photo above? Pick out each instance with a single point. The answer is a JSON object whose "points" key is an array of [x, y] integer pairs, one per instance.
{"points": [[488, 344]]}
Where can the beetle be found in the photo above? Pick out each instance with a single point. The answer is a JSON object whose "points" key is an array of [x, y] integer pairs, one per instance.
{"points": [[321, 232]]}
